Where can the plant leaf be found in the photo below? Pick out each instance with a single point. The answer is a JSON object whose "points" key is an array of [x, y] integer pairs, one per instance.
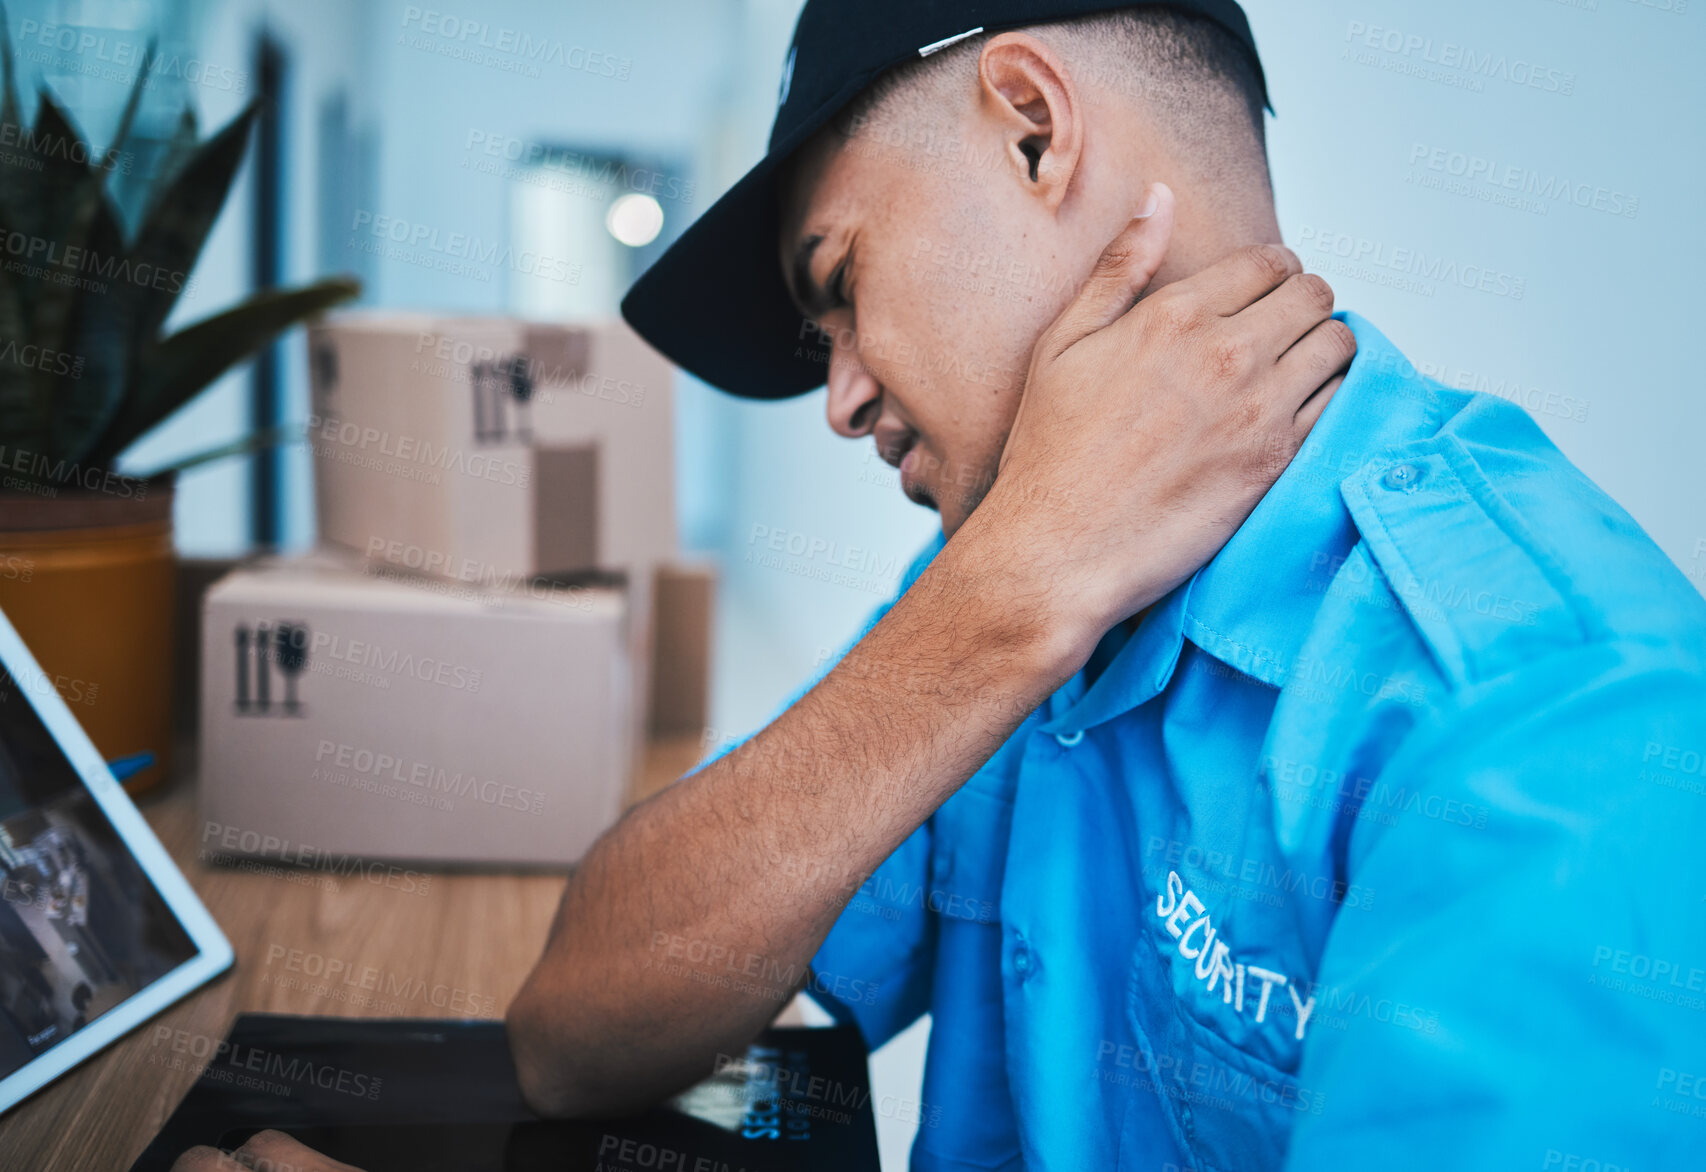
{"points": [[128, 118], [178, 148], [182, 214], [88, 396], [56, 301], [270, 437], [173, 371], [20, 408], [66, 225], [11, 112], [46, 185], [96, 324], [39, 203]]}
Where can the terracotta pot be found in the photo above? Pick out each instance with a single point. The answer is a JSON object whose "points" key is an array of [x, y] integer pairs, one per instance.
{"points": [[87, 578]]}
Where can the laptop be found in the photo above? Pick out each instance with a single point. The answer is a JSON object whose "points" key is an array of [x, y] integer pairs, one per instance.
{"points": [[98, 930], [425, 1095]]}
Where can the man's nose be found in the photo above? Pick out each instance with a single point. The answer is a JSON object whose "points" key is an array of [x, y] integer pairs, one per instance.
{"points": [[855, 395]]}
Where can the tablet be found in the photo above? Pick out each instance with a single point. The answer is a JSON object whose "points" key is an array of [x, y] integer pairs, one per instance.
{"points": [[98, 930]]}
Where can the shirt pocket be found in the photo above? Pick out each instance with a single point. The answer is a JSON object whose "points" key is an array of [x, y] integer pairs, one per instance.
{"points": [[970, 856], [1224, 1108], [971, 1123]]}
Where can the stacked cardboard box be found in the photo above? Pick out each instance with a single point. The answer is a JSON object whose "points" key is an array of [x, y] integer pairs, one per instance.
{"points": [[490, 448], [372, 717], [492, 495]]}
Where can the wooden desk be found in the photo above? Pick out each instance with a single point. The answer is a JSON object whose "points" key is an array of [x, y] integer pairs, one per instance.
{"points": [[476, 934]]}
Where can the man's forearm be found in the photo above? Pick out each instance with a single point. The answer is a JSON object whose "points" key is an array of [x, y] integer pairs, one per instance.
{"points": [[690, 923]]}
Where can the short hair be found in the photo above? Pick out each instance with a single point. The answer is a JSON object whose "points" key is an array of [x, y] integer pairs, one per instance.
{"points": [[1200, 82]]}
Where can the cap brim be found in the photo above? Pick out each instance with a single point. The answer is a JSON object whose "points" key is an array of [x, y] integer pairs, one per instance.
{"points": [[715, 303]]}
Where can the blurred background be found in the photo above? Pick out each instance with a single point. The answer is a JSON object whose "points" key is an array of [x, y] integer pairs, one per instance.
{"points": [[394, 138]]}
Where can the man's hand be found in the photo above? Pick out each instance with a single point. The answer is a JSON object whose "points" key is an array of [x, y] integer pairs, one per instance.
{"points": [[266, 1151], [1146, 435]]}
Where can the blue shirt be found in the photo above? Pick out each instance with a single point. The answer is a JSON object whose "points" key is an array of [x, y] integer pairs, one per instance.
{"points": [[1377, 844]]}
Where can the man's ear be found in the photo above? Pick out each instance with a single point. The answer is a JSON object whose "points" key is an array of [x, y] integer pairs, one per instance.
{"points": [[1025, 87]]}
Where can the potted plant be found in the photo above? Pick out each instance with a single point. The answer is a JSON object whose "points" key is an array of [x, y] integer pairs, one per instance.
{"points": [[86, 563]]}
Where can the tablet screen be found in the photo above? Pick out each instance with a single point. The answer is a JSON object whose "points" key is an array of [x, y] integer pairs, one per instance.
{"points": [[82, 929]]}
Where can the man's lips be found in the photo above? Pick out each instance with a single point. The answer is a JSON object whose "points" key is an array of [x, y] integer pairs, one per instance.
{"points": [[914, 488], [893, 449], [900, 450]]}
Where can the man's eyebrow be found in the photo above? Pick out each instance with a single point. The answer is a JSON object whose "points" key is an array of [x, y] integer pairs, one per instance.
{"points": [[811, 299]]}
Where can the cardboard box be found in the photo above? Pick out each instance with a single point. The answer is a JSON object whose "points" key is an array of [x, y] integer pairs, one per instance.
{"points": [[683, 612], [491, 449], [410, 719], [195, 575]]}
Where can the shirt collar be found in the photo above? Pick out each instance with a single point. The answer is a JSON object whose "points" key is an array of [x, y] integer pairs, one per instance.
{"points": [[1253, 605]]}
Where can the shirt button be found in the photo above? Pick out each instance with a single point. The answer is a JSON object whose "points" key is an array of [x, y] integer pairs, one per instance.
{"points": [[1021, 960], [1403, 477], [1067, 740]]}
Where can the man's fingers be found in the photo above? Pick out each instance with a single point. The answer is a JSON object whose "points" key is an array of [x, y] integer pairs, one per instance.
{"points": [[274, 1151], [1308, 414], [1122, 272], [1317, 361], [1234, 283], [1279, 320], [205, 1159]]}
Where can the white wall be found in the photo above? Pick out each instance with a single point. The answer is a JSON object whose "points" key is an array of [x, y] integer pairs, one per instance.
{"points": [[1604, 335]]}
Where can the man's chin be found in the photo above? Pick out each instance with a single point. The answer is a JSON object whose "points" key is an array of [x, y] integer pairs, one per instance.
{"points": [[956, 510]]}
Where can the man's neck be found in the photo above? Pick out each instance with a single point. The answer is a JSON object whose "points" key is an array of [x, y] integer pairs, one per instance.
{"points": [[1193, 252], [1209, 226]]}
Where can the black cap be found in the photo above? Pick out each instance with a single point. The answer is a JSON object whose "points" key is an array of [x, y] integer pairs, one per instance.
{"points": [[715, 303]]}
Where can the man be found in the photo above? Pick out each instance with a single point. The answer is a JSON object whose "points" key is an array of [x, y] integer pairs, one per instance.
{"points": [[1219, 821], [1369, 843], [1362, 838]]}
